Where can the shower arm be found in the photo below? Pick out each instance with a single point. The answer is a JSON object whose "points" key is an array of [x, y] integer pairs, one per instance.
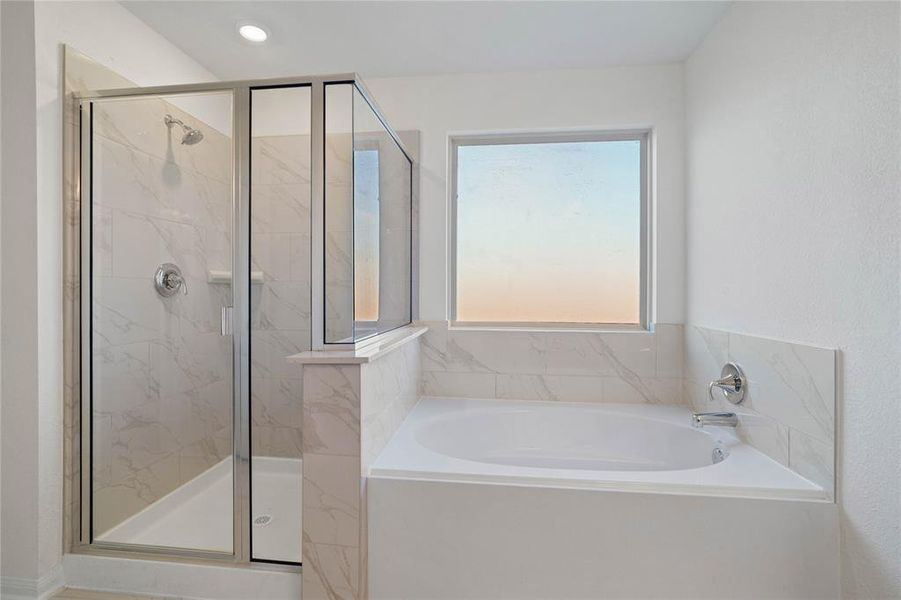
{"points": [[170, 121]]}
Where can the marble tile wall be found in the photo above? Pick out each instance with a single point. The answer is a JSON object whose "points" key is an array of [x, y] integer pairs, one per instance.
{"points": [[339, 231], [350, 412], [390, 389], [789, 411], [280, 303], [161, 369], [333, 503], [574, 366]]}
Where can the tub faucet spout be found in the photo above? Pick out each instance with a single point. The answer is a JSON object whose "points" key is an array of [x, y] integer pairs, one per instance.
{"points": [[719, 419]]}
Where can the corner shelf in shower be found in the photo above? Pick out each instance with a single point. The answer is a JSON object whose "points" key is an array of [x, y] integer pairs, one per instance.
{"points": [[226, 277]]}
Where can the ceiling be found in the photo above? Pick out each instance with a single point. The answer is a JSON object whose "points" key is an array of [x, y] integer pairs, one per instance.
{"points": [[397, 38]]}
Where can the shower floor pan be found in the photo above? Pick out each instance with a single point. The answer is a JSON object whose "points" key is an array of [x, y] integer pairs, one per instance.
{"points": [[198, 515]]}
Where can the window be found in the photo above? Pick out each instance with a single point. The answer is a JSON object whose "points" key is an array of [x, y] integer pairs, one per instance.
{"points": [[550, 229], [366, 235]]}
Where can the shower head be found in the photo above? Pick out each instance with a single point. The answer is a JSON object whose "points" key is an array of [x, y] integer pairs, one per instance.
{"points": [[192, 136]]}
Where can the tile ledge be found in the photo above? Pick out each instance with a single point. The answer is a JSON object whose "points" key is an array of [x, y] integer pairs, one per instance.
{"points": [[380, 347]]}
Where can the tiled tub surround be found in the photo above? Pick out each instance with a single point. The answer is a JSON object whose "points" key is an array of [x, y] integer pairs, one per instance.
{"points": [[161, 369], [353, 402], [783, 545], [788, 414], [789, 410], [568, 365]]}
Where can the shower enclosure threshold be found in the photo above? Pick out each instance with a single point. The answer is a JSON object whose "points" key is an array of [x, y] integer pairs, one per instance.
{"points": [[188, 516]]}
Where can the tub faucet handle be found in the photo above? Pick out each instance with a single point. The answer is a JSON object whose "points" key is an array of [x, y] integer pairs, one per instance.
{"points": [[732, 382]]}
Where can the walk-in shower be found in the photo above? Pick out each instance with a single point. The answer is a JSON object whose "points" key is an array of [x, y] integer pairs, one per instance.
{"points": [[204, 266]]}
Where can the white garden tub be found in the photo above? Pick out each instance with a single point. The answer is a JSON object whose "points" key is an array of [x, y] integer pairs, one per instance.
{"points": [[607, 446], [487, 499]]}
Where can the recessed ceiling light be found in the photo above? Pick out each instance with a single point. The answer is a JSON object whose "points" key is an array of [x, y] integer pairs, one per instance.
{"points": [[253, 33]]}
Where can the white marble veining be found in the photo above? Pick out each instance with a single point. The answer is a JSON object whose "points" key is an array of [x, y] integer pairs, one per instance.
{"points": [[339, 235], [331, 408], [353, 402], [789, 411], [161, 370], [394, 222], [390, 389], [281, 303], [582, 366], [331, 500]]}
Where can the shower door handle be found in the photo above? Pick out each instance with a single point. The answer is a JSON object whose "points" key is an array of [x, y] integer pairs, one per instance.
{"points": [[226, 325]]}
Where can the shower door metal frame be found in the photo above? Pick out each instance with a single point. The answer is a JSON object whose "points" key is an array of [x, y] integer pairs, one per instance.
{"points": [[241, 134]]}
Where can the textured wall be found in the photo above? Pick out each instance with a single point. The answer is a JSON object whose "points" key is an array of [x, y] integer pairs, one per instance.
{"points": [[22, 416], [793, 220]]}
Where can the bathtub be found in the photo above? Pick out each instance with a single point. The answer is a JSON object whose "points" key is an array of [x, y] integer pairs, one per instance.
{"points": [[601, 446], [507, 499]]}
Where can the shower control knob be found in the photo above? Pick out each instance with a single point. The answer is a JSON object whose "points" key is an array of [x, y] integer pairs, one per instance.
{"points": [[168, 280]]}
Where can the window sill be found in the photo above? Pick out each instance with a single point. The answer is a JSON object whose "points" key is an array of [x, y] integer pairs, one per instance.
{"points": [[550, 327]]}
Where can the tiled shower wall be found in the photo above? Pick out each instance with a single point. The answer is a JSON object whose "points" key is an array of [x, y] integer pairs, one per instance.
{"points": [[280, 299], [162, 371]]}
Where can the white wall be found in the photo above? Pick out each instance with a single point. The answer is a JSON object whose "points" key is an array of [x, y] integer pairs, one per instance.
{"points": [[113, 36], [793, 226], [616, 98], [19, 519]]}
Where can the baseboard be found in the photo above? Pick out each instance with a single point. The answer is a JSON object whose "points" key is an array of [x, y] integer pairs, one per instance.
{"points": [[189, 581], [17, 588]]}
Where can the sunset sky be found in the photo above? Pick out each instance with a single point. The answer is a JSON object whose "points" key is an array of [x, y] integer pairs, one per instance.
{"points": [[549, 232]]}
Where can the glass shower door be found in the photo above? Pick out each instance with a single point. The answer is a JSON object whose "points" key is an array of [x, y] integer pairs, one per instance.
{"points": [[161, 353], [280, 314]]}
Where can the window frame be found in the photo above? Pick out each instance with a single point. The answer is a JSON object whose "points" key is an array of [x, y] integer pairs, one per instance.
{"points": [[645, 237]]}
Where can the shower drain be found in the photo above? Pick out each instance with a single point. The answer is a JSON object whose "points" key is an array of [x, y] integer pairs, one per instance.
{"points": [[262, 520]]}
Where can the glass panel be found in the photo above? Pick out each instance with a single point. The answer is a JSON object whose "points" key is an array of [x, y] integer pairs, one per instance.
{"points": [[381, 225], [280, 195], [367, 221], [339, 214], [162, 397], [557, 226]]}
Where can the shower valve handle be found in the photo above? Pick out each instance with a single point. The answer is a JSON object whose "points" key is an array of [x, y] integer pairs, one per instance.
{"points": [[168, 280]]}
